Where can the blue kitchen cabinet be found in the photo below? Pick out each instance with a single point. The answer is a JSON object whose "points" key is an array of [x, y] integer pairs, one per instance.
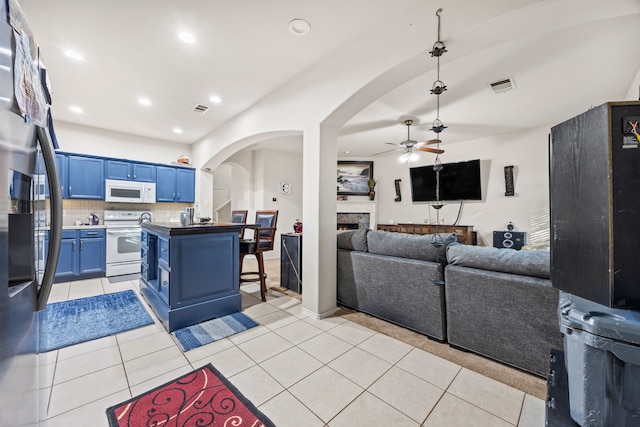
{"points": [[186, 185], [63, 162], [82, 255], [130, 171], [175, 184], [85, 178], [165, 184], [92, 254], [68, 259]]}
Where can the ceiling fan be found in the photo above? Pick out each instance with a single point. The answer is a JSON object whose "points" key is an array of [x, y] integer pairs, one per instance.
{"points": [[409, 146]]}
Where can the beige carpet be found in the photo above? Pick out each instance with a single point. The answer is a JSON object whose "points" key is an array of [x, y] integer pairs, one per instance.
{"points": [[515, 378]]}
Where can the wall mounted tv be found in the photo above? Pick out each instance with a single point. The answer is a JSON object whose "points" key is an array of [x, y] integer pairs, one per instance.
{"points": [[458, 181]]}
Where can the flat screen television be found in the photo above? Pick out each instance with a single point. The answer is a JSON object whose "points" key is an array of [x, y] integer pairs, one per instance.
{"points": [[458, 181]]}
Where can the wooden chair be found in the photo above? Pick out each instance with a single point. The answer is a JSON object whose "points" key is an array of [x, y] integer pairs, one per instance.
{"points": [[264, 234], [239, 217]]}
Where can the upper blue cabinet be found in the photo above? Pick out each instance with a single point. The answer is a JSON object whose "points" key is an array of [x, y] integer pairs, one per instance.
{"points": [[63, 164], [85, 176], [130, 171], [175, 184]]}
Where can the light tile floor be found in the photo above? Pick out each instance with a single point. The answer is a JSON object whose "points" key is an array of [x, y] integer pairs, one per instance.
{"points": [[297, 370]]}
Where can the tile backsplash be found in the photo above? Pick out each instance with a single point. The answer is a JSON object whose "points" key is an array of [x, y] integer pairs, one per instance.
{"points": [[79, 210]]}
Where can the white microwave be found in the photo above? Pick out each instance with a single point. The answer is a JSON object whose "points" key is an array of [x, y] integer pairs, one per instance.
{"points": [[129, 191]]}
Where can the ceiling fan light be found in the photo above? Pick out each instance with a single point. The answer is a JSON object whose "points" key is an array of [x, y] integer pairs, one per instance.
{"points": [[409, 157]]}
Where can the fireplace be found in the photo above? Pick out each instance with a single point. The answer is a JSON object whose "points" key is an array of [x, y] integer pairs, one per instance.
{"points": [[355, 215], [348, 226], [352, 221]]}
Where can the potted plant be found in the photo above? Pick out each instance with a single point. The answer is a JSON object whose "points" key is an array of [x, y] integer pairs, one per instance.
{"points": [[372, 184]]}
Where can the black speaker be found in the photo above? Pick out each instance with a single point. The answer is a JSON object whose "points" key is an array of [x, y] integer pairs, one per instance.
{"points": [[594, 193], [509, 239]]}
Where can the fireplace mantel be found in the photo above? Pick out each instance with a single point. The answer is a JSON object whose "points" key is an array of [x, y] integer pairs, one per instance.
{"points": [[359, 207]]}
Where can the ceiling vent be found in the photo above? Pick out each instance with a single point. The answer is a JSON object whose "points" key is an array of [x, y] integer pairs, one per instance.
{"points": [[504, 85], [200, 109]]}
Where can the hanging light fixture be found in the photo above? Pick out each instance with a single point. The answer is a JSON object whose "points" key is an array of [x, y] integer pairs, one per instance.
{"points": [[437, 89], [409, 156]]}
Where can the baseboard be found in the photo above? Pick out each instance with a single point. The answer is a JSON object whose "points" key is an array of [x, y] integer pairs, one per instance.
{"points": [[318, 316]]}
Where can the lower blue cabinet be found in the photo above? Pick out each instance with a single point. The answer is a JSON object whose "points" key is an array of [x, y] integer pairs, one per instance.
{"points": [[82, 255]]}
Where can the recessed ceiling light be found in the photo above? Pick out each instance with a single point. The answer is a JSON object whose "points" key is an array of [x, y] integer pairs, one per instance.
{"points": [[347, 152], [299, 27], [76, 109], [177, 130], [187, 37], [215, 99], [144, 101], [74, 55]]}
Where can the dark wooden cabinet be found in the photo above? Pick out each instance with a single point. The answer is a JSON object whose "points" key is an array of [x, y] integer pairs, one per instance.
{"points": [[464, 233]]}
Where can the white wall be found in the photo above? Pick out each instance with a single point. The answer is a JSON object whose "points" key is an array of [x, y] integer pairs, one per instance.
{"points": [[255, 181], [528, 209], [100, 142], [280, 166]]}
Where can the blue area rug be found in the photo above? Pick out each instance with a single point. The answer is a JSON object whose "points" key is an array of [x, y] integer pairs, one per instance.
{"points": [[212, 330], [85, 319]]}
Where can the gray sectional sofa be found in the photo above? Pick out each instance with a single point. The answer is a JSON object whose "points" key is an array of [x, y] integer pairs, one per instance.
{"points": [[495, 302], [396, 277], [500, 303]]}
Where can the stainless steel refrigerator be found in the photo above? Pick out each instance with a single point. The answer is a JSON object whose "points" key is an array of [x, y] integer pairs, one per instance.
{"points": [[30, 210]]}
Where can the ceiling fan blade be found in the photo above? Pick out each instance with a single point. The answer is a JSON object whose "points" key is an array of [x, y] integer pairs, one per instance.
{"points": [[432, 141], [388, 151], [431, 150]]}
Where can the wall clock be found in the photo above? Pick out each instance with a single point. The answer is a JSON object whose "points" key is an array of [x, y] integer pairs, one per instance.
{"points": [[285, 188]]}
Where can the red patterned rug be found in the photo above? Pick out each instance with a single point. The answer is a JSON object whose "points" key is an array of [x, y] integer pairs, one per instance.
{"points": [[201, 398]]}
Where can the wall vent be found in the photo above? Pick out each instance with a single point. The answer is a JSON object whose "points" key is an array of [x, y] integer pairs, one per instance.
{"points": [[200, 109], [504, 85]]}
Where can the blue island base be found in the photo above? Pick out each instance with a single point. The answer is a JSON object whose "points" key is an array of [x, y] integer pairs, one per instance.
{"points": [[176, 318]]}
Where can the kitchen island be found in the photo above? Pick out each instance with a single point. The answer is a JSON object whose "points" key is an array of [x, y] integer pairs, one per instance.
{"points": [[190, 274]]}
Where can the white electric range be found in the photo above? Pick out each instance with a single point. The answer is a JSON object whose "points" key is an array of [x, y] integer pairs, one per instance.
{"points": [[123, 241]]}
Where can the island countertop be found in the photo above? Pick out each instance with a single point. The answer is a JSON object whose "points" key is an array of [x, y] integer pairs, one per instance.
{"points": [[177, 229]]}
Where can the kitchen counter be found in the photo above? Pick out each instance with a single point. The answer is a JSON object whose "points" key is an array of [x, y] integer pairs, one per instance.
{"points": [[176, 229], [190, 274]]}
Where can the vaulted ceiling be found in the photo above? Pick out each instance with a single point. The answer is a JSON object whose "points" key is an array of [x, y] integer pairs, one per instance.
{"points": [[564, 56]]}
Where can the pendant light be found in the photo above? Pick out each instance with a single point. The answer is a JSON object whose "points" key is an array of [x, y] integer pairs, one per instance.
{"points": [[437, 89]]}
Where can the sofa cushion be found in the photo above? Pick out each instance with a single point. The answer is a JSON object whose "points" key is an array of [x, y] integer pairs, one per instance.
{"points": [[527, 263], [353, 240], [412, 246]]}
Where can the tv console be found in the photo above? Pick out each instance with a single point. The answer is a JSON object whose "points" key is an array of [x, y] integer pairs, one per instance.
{"points": [[464, 232]]}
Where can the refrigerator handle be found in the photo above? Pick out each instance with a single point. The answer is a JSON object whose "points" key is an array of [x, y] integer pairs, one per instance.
{"points": [[55, 202]]}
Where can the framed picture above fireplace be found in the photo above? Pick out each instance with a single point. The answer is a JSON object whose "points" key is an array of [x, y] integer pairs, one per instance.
{"points": [[353, 177]]}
